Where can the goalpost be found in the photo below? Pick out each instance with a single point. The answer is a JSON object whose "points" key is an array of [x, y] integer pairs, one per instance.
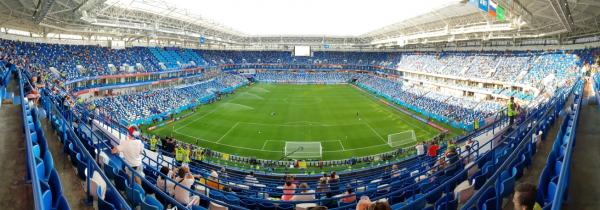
{"points": [[301, 149], [402, 138]]}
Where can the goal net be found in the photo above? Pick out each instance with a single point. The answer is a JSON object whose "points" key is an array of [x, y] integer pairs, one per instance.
{"points": [[299, 149], [405, 138]]}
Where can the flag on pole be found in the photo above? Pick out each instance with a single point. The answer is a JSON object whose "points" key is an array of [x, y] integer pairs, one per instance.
{"points": [[483, 5], [500, 14], [492, 7]]}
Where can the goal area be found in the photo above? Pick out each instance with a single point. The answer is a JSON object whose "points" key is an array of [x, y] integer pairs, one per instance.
{"points": [[303, 150], [405, 138]]}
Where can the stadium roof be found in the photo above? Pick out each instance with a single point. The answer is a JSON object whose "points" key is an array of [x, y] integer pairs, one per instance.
{"points": [[271, 24], [291, 17]]}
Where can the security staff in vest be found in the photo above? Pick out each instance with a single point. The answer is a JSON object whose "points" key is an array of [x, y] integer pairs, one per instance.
{"points": [[179, 153], [199, 154], [511, 108], [186, 153], [153, 142]]}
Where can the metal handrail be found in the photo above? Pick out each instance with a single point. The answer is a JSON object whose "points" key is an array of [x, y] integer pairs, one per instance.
{"points": [[92, 166], [32, 175]]}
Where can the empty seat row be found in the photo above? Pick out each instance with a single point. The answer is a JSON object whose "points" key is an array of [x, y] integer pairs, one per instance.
{"points": [[46, 185], [554, 178]]}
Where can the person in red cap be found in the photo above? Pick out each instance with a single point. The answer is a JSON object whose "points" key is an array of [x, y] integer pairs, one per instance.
{"points": [[131, 150]]}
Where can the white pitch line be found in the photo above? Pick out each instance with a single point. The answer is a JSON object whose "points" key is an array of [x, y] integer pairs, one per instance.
{"points": [[273, 151], [228, 131], [374, 131], [302, 125], [376, 100], [264, 145], [193, 121], [343, 149], [378, 145], [212, 142]]}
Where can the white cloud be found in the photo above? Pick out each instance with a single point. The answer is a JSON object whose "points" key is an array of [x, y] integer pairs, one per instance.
{"points": [[308, 17]]}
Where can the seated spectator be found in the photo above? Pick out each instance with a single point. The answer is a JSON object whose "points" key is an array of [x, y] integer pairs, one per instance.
{"points": [[451, 155], [250, 178], [363, 203], [348, 196], [380, 205], [322, 186], [33, 96], [395, 171], [524, 197], [182, 190], [289, 189], [334, 182], [334, 175], [160, 182], [324, 177], [305, 194]]}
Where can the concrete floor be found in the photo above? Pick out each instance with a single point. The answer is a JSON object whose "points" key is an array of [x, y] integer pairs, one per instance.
{"points": [[584, 189], [532, 173], [15, 192], [73, 187]]}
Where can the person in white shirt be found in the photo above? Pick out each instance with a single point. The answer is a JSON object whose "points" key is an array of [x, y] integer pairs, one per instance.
{"points": [[306, 194], [160, 182], [420, 149], [131, 151], [182, 190]]}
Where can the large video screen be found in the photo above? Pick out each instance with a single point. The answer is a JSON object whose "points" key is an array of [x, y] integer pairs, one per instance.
{"points": [[302, 51]]}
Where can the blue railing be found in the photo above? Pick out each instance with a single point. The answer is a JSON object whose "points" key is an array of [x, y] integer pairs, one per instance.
{"points": [[32, 175], [64, 124], [596, 87], [563, 148], [497, 150], [523, 136]]}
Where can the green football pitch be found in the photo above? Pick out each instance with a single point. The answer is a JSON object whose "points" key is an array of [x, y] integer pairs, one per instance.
{"points": [[257, 120]]}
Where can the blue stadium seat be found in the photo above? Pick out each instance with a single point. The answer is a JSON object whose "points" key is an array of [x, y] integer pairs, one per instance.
{"points": [[48, 165], [266, 206], [62, 204], [150, 203], [506, 183], [121, 182], [56, 188], [135, 194], [81, 166]]}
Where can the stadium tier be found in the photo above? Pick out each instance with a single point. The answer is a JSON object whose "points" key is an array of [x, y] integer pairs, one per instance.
{"points": [[136, 104], [413, 182]]}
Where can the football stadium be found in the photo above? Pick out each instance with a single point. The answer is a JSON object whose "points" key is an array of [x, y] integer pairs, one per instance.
{"points": [[299, 104]]}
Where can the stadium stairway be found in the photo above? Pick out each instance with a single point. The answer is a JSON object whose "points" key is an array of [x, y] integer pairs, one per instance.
{"points": [[73, 188], [584, 189], [538, 161], [14, 190]]}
